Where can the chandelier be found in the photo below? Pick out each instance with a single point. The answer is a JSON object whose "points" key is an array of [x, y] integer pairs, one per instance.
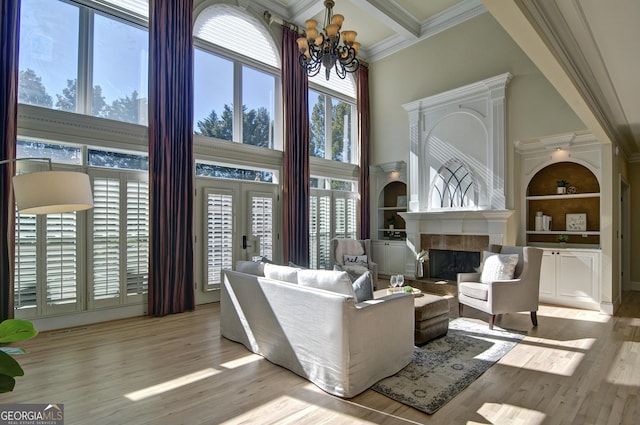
{"points": [[319, 49]]}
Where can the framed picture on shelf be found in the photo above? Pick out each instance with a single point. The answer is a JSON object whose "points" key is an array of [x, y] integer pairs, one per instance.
{"points": [[576, 222], [401, 201]]}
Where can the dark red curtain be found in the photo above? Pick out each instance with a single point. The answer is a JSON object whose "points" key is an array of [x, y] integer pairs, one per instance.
{"points": [[171, 279], [9, 41], [364, 136], [296, 184]]}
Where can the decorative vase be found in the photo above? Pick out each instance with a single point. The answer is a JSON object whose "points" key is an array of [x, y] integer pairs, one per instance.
{"points": [[391, 227], [420, 269], [562, 190]]}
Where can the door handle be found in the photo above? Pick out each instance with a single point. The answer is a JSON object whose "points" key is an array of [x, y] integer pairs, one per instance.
{"points": [[244, 242]]}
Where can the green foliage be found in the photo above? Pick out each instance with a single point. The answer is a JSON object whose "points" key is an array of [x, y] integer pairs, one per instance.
{"points": [[31, 90], [317, 133], [12, 330], [562, 183], [124, 109], [67, 100]]}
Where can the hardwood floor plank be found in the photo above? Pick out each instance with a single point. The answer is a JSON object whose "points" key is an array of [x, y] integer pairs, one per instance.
{"points": [[576, 367]]}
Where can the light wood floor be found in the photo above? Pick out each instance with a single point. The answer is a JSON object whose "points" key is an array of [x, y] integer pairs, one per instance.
{"points": [[577, 367]]}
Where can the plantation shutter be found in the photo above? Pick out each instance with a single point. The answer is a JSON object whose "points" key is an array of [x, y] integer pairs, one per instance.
{"points": [[106, 238], [324, 231], [61, 260], [345, 211], [137, 213], [262, 223], [319, 228], [219, 235], [26, 262]]}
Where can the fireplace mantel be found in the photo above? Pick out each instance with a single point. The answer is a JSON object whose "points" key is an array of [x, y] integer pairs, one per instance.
{"points": [[498, 225]]}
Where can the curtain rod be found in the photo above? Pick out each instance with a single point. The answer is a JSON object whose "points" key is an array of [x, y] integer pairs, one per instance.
{"points": [[271, 19]]}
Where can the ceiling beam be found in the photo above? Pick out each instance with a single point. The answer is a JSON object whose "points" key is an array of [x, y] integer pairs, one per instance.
{"points": [[393, 16]]}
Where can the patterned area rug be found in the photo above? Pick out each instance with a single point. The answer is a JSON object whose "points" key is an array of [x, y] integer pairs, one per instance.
{"points": [[445, 366]]}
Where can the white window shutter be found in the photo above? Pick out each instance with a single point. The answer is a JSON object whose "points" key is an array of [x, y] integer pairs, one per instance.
{"points": [[219, 236]]}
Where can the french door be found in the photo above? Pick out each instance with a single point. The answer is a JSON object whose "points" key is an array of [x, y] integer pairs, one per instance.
{"points": [[238, 222]]}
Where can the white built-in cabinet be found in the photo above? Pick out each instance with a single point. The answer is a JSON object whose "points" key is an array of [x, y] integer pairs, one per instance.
{"points": [[390, 256], [570, 277], [570, 274]]}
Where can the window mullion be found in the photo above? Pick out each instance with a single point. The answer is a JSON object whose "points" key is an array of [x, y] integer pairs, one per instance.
{"points": [[84, 82], [237, 102]]}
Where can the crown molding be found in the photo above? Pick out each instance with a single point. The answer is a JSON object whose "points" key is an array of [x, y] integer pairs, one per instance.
{"points": [[444, 20]]}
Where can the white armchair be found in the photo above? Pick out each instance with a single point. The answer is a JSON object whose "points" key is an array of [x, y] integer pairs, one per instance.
{"points": [[353, 247], [520, 293]]}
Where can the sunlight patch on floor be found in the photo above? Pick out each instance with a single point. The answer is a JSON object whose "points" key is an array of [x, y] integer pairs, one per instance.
{"points": [[171, 385], [559, 312], [502, 413], [546, 358], [249, 358], [625, 368]]}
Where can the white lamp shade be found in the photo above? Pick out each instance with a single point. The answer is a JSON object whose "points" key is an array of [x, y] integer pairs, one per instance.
{"points": [[52, 192]]}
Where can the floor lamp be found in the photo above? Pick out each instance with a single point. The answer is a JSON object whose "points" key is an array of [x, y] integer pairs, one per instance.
{"points": [[50, 192]]}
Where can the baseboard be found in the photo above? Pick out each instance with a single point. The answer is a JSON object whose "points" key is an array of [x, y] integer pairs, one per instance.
{"points": [[88, 317], [633, 286], [608, 308]]}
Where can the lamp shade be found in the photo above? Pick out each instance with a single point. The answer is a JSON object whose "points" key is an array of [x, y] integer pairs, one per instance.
{"points": [[51, 192]]}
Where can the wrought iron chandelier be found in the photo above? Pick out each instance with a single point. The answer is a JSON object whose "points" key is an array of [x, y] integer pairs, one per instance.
{"points": [[319, 49]]}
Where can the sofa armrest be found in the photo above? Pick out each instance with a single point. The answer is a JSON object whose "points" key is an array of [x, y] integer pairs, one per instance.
{"points": [[468, 277]]}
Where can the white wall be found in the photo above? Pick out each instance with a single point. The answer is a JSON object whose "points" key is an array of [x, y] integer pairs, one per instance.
{"points": [[470, 52]]}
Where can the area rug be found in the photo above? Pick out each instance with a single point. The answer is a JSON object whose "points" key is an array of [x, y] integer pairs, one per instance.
{"points": [[445, 366]]}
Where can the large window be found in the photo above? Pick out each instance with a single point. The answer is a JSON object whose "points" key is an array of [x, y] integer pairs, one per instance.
{"points": [[236, 70], [104, 75], [332, 128], [77, 261]]}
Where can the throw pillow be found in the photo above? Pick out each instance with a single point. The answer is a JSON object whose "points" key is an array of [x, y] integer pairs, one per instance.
{"points": [[329, 280], [363, 287], [277, 272], [250, 267], [498, 267], [357, 259], [362, 283]]}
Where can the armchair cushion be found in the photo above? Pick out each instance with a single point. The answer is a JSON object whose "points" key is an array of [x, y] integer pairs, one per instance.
{"points": [[498, 267], [479, 291]]}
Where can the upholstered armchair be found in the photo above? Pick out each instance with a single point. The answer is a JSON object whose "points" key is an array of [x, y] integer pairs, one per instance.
{"points": [[352, 248], [509, 282]]}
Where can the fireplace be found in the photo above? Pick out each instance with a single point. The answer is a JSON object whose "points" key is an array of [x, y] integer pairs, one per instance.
{"points": [[445, 264]]}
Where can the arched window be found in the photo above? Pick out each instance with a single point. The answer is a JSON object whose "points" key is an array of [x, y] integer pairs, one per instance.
{"points": [[230, 28], [237, 78], [454, 187]]}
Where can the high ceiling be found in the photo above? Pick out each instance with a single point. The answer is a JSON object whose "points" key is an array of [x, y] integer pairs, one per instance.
{"points": [[588, 49]]}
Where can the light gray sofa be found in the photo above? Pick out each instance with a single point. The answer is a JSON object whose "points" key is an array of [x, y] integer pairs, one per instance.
{"points": [[341, 346]]}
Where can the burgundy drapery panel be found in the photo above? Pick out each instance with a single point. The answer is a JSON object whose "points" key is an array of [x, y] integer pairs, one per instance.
{"points": [[296, 179], [9, 41], [171, 277], [364, 136]]}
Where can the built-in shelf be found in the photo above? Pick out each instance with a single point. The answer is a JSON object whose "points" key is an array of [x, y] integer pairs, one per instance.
{"points": [[542, 198], [566, 196], [392, 200], [563, 232]]}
